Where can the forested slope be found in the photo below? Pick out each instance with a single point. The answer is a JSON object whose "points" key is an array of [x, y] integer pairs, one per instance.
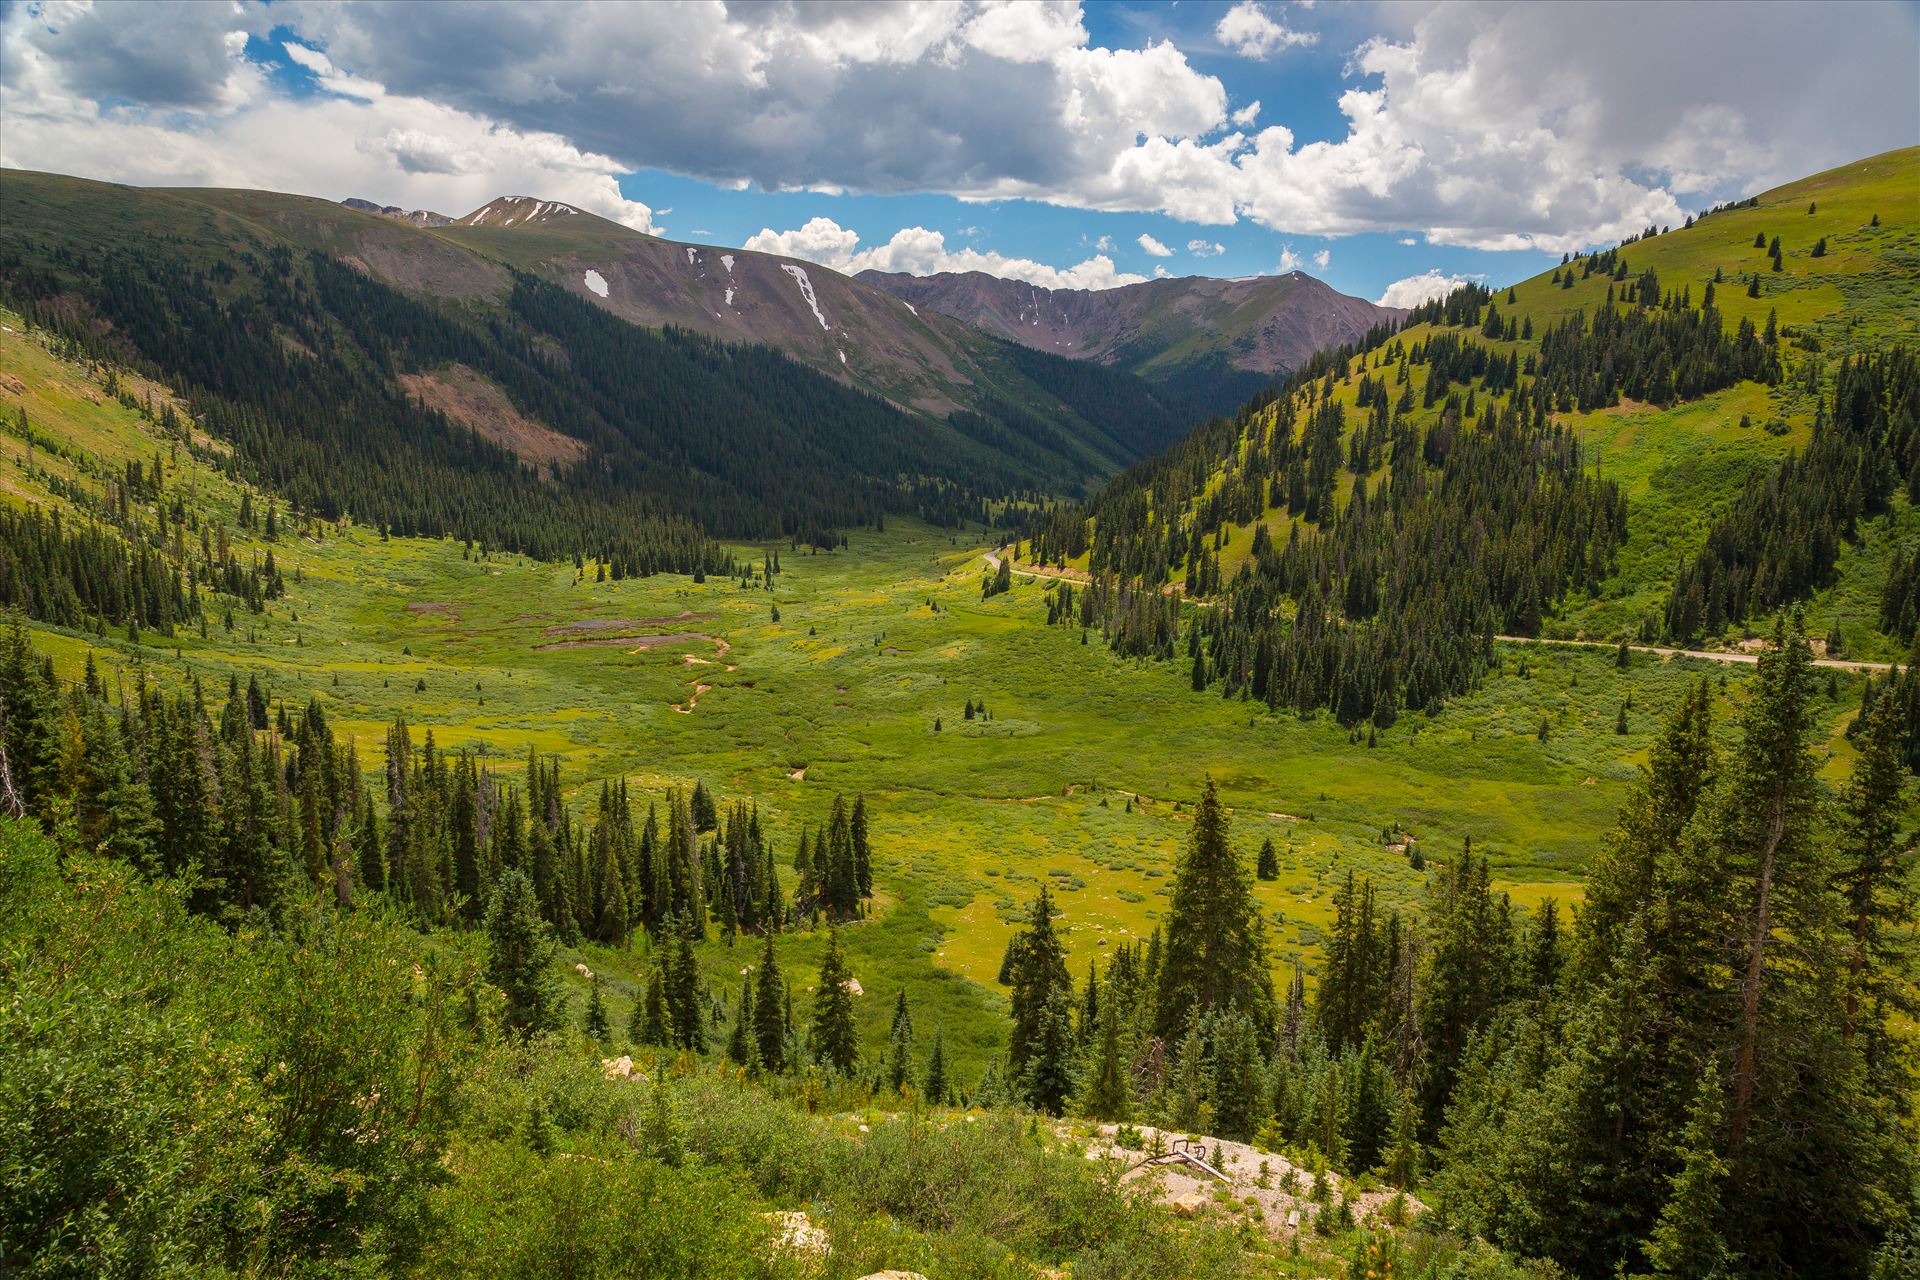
{"points": [[1666, 440], [336, 381]]}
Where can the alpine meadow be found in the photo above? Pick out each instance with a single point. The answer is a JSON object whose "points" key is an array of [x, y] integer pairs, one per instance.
{"points": [[533, 746]]}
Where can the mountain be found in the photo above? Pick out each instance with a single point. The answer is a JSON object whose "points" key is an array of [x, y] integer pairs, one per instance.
{"points": [[1214, 342], [661, 394], [924, 361], [416, 217], [1671, 440]]}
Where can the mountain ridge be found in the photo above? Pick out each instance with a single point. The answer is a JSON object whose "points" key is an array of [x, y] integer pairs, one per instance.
{"points": [[1215, 340]]}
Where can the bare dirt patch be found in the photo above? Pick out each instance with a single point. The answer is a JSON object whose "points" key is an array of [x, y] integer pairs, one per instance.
{"points": [[444, 608], [472, 401]]}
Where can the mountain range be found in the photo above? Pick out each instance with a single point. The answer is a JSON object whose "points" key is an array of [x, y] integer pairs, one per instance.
{"points": [[1211, 342]]}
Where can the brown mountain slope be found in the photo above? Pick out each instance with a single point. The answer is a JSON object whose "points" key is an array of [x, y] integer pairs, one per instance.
{"points": [[1181, 332]]}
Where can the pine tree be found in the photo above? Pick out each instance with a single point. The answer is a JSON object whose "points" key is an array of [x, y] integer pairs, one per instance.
{"points": [[769, 1021], [897, 1070], [1108, 1094], [597, 1026], [742, 1043], [1268, 866], [835, 1043], [520, 950], [1216, 947], [683, 992], [650, 1023], [1047, 1078], [1687, 1241], [1038, 975], [936, 1088]]}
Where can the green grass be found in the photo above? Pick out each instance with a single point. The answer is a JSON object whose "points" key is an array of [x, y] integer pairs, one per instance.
{"points": [[874, 644]]}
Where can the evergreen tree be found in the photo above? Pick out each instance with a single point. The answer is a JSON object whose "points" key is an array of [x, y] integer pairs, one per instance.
{"points": [[1108, 1094], [1268, 865], [835, 1043], [1047, 1078], [897, 1070], [936, 1088], [684, 1002], [650, 1023], [1216, 947], [1039, 974], [597, 1026], [769, 1021], [520, 950]]}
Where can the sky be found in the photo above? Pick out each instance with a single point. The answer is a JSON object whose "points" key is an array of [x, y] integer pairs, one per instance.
{"points": [[1391, 149]]}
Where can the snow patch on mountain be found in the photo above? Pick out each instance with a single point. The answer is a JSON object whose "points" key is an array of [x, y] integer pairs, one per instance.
{"points": [[799, 275], [596, 282]]}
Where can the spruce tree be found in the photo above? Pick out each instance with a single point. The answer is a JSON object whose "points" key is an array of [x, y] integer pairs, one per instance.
{"points": [[520, 950], [769, 1020], [1108, 1094], [936, 1088], [597, 1025], [683, 992], [1039, 974], [650, 1023], [897, 1071], [1047, 1078], [835, 1043], [1216, 946], [1268, 866]]}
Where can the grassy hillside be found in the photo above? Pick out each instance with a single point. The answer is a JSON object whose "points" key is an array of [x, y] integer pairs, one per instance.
{"points": [[1681, 466], [874, 645]]}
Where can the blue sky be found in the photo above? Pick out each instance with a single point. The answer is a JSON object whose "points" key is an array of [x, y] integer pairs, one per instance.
{"points": [[1396, 146]]}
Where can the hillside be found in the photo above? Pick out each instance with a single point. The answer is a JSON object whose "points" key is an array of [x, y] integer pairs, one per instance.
{"points": [[1599, 453], [470, 370], [1214, 342]]}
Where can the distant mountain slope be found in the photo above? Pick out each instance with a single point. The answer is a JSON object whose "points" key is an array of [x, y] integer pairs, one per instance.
{"points": [[416, 217], [405, 376], [1211, 341]]}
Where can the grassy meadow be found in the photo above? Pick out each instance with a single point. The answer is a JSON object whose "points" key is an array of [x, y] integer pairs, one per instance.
{"points": [[1079, 776]]}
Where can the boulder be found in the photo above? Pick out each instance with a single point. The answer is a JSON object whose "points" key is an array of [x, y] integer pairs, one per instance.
{"points": [[854, 988], [797, 1234], [620, 1068], [584, 972], [1188, 1204]]}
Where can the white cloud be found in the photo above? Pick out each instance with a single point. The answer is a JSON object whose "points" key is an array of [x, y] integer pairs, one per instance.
{"points": [[353, 138], [1154, 247], [1160, 272], [919, 251], [1205, 248], [1408, 240], [1104, 244], [1247, 30], [1289, 260], [1322, 258], [1466, 121], [1414, 290]]}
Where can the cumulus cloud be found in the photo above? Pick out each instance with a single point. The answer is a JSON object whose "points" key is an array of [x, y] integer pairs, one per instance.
{"points": [[1247, 30], [1289, 260], [1205, 248], [1468, 121], [1160, 272], [1414, 290], [1322, 258], [1154, 247], [921, 252], [353, 136]]}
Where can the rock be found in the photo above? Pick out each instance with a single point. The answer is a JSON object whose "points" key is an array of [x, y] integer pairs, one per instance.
{"points": [[1188, 1204], [798, 1234], [854, 988], [584, 972], [620, 1068]]}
